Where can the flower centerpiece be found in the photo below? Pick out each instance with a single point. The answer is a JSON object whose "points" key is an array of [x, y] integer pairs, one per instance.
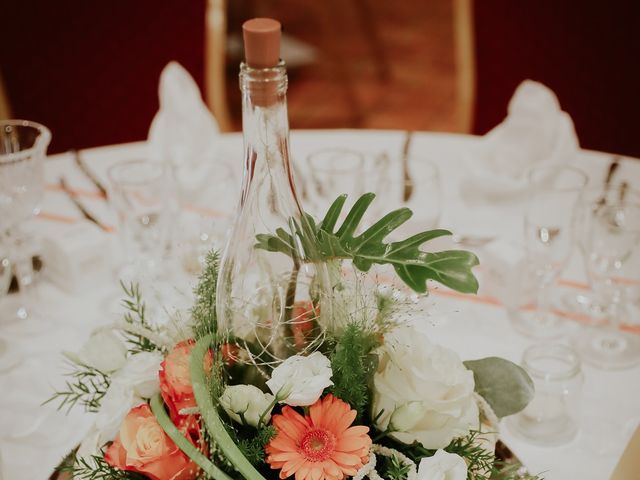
{"points": [[296, 360], [375, 398]]}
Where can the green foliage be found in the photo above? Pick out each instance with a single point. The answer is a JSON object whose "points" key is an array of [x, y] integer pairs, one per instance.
{"points": [[391, 468], [481, 463], [135, 316], [253, 446], [204, 309], [323, 243], [87, 387], [505, 386], [353, 364], [96, 468]]}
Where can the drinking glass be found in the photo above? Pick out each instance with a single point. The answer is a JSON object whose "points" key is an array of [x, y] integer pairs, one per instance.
{"points": [[426, 195], [553, 195], [141, 195], [23, 146], [614, 235], [593, 199], [336, 171], [550, 418]]}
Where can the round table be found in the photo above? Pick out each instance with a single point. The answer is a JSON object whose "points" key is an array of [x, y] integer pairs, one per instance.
{"points": [[34, 438]]}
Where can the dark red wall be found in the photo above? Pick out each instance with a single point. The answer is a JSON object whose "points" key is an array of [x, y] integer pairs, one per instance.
{"points": [[587, 51], [89, 69]]}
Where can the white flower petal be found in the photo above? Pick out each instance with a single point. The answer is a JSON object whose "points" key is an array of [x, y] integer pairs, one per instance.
{"points": [[304, 378]]}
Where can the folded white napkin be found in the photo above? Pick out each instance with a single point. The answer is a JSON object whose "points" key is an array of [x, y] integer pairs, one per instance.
{"points": [[535, 132], [184, 133]]}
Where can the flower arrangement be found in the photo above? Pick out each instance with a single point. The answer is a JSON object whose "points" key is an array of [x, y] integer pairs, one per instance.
{"points": [[362, 394]]}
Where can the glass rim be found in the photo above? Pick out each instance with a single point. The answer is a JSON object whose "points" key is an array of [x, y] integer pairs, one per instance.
{"points": [[346, 169], [363, 164], [533, 352], [550, 168], [115, 179], [42, 141]]}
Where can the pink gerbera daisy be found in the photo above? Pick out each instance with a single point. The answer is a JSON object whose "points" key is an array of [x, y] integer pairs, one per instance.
{"points": [[320, 446]]}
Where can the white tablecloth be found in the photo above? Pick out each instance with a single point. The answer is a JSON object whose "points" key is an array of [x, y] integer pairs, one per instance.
{"points": [[33, 439]]}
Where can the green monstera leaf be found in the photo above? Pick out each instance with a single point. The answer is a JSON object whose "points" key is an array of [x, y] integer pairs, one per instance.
{"points": [[323, 242]]}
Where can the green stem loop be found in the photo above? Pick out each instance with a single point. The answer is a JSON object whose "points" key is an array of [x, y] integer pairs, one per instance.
{"points": [[157, 407], [209, 412]]}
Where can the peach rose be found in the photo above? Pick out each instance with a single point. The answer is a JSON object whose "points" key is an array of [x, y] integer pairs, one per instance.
{"points": [[175, 379], [142, 446]]}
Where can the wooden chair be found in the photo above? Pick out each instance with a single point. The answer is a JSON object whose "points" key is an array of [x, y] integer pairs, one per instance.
{"points": [[5, 110], [215, 62]]}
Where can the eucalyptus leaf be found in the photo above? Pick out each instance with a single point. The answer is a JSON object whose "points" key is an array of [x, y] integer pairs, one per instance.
{"points": [[505, 386], [323, 243]]}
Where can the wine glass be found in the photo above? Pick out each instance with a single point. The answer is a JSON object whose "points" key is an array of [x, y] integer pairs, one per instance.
{"points": [[553, 194], [614, 235], [23, 146], [593, 199], [141, 196]]}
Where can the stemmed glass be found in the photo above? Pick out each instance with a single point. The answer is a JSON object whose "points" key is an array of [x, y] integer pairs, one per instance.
{"points": [[593, 199], [553, 194], [23, 146], [614, 235], [141, 196]]}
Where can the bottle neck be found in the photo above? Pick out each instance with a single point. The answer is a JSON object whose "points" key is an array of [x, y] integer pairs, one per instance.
{"points": [[265, 124]]}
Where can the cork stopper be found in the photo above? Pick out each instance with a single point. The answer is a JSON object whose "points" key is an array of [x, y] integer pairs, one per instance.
{"points": [[261, 42]]}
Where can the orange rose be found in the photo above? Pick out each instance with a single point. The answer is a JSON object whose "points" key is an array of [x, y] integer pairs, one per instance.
{"points": [[175, 379], [142, 446]]}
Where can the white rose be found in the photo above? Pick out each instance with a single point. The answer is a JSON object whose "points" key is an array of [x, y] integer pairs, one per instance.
{"points": [[415, 377], [113, 408], [442, 466], [248, 402], [140, 374], [104, 351], [299, 381]]}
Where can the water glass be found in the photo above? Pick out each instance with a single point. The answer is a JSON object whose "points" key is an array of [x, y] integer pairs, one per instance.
{"points": [[426, 195], [141, 195], [550, 418], [23, 146], [337, 171], [553, 195]]}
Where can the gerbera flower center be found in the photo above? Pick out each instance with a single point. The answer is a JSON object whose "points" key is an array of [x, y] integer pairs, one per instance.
{"points": [[318, 445]]}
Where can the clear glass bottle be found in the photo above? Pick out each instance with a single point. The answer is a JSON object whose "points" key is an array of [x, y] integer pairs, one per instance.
{"points": [[269, 302]]}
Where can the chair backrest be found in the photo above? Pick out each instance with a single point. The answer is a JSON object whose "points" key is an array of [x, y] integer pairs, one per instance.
{"points": [[587, 52], [90, 70]]}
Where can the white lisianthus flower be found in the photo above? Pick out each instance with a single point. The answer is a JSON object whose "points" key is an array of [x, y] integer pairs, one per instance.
{"points": [[248, 402], [415, 377], [442, 466], [114, 406], [104, 351], [140, 374], [299, 381]]}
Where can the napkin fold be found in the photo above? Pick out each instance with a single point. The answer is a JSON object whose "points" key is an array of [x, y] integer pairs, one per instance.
{"points": [[184, 133], [535, 132]]}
